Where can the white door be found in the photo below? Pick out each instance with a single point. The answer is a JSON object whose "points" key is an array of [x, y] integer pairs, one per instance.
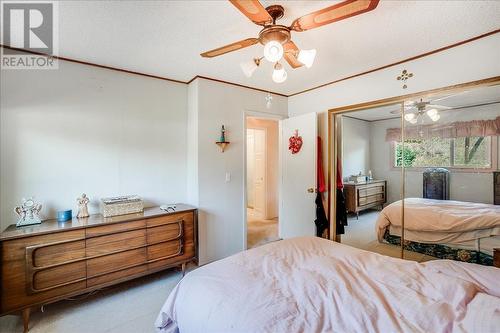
{"points": [[298, 178], [260, 172]]}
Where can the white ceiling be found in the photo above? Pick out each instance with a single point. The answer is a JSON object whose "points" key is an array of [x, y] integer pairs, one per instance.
{"points": [[165, 38], [474, 96]]}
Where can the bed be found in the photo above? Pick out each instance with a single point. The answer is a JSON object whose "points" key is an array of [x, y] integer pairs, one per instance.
{"points": [[444, 229], [311, 284]]}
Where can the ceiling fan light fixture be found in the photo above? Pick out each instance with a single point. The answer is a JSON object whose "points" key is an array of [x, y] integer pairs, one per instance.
{"points": [[435, 117], [432, 112], [279, 73], [410, 116], [307, 57], [273, 51], [249, 67]]}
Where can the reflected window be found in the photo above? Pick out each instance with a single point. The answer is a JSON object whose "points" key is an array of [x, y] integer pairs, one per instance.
{"points": [[464, 152]]}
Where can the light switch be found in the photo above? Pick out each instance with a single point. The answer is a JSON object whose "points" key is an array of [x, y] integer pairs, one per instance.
{"points": [[228, 177]]}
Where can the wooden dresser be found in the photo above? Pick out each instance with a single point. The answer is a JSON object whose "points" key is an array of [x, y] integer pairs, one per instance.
{"points": [[52, 261], [363, 196]]}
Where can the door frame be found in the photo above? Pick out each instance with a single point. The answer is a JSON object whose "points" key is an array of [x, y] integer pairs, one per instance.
{"points": [[265, 116]]}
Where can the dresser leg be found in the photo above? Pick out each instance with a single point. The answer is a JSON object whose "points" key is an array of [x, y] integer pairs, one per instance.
{"points": [[26, 319], [183, 268], [357, 215]]}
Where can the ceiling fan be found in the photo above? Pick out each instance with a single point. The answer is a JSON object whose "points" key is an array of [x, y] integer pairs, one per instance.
{"points": [[415, 110], [276, 38]]}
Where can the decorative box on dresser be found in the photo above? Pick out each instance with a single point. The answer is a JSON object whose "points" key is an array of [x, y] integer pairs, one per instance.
{"points": [[362, 196], [52, 261]]}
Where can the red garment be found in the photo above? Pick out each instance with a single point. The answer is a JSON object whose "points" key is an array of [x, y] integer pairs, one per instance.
{"points": [[320, 174], [340, 184]]}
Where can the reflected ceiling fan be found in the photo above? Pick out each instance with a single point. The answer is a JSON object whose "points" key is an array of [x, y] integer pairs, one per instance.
{"points": [[415, 110], [276, 38]]}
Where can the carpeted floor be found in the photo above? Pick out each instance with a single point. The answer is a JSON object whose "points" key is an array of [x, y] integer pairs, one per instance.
{"points": [[361, 234], [130, 307], [260, 231]]}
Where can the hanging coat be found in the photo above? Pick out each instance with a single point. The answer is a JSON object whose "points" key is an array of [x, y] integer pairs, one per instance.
{"points": [[340, 208], [321, 219]]}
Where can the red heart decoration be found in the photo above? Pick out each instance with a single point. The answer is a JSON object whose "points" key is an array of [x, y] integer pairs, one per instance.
{"points": [[295, 143]]}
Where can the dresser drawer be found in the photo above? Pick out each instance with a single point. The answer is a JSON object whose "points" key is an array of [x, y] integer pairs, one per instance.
{"points": [[54, 277], [365, 192], [115, 262], [115, 242], [174, 218], [166, 232], [46, 255], [114, 228], [377, 198], [117, 276], [165, 250]]}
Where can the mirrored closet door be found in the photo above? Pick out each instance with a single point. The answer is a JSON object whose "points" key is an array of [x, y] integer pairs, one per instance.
{"points": [[366, 179], [419, 178], [449, 152]]}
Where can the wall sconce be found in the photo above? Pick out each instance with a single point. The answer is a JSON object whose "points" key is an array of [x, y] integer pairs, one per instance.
{"points": [[222, 143]]}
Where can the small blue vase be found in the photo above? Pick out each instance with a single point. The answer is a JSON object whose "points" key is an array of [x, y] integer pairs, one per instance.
{"points": [[64, 215]]}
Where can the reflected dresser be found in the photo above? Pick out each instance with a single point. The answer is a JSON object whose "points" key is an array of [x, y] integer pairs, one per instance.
{"points": [[51, 261], [362, 196]]}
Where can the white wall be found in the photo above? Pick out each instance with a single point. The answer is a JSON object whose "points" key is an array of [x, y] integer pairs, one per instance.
{"points": [[221, 203], [192, 144], [355, 147], [464, 186], [380, 161], [85, 129]]}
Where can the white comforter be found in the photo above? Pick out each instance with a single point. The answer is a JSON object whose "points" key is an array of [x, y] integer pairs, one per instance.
{"points": [[315, 285], [440, 221]]}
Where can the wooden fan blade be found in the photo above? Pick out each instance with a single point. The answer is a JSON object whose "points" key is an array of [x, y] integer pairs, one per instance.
{"points": [[291, 51], [230, 48], [333, 13], [253, 10]]}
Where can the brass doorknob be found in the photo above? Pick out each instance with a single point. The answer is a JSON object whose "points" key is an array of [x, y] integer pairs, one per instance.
{"points": [[310, 190]]}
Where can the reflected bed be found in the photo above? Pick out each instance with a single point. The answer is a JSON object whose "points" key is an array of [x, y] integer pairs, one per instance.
{"points": [[444, 229], [311, 284]]}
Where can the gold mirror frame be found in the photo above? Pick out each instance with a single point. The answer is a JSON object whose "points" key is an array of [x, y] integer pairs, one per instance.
{"points": [[333, 149]]}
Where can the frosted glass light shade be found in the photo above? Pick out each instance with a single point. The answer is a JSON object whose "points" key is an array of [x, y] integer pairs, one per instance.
{"points": [[435, 117], [307, 57], [279, 73], [410, 116], [249, 67], [432, 112], [273, 51]]}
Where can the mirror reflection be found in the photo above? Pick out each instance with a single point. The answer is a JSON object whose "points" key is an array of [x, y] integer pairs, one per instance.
{"points": [[369, 180], [424, 173], [450, 156]]}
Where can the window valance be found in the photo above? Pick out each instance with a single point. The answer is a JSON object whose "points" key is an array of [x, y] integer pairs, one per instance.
{"points": [[458, 129]]}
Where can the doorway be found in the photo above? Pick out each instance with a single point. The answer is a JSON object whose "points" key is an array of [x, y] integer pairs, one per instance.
{"points": [[262, 158]]}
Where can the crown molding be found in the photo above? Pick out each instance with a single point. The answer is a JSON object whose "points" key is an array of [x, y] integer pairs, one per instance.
{"points": [[235, 84], [255, 88]]}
